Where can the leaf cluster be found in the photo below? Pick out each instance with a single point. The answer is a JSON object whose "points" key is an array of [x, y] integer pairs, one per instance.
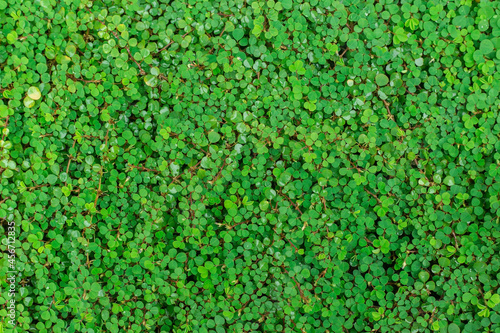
{"points": [[251, 166]]}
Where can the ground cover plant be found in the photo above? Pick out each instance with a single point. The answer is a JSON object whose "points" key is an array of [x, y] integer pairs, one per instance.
{"points": [[249, 166]]}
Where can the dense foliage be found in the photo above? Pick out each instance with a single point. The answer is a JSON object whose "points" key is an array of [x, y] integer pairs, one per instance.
{"points": [[251, 166]]}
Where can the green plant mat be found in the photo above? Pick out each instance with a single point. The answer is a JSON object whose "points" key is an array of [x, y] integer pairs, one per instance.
{"points": [[249, 166]]}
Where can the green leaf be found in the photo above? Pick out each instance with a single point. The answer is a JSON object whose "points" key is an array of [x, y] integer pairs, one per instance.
{"points": [[381, 79], [151, 80], [34, 93], [12, 37], [28, 102], [117, 308], [486, 46], [213, 137], [238, 34], [287, 4], [453, 328], [423, 276], [448, 180]]}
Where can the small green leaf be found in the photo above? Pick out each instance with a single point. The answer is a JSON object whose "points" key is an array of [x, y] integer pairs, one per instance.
{"points": [[238, 34], [381, 79], [423, 276], [34, 93], [213, 137]]}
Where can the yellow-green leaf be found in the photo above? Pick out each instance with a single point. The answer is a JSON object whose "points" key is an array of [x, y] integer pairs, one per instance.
{"points": [[34, 93], [28, 102]]}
